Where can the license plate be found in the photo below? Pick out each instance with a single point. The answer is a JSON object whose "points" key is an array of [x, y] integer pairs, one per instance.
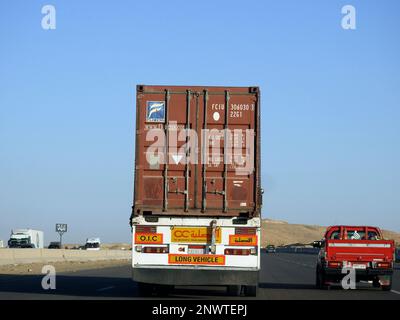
{"points": [[196, 251], [359, 266]]}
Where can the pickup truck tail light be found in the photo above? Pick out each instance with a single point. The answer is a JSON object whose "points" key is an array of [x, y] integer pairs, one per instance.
{"points": [[384, 265], [334, 264]]}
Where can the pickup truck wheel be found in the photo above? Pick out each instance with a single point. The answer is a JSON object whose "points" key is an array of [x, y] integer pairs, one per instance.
{"points": [[388, 286], [250, 291], [319, 279], [376, 283], [234, 290]]}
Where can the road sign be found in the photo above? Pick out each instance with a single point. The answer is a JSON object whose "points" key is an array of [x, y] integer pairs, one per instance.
{"points": [[61, 227]]}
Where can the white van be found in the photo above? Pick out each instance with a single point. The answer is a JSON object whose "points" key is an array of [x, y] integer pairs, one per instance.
{"points": [[92, 244]]}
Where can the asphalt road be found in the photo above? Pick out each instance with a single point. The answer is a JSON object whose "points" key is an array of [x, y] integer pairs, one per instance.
{"points": [[283, 276]]}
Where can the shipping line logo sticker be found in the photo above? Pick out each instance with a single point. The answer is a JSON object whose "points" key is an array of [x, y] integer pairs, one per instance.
{"points": [[148, 238], [194, 235], [243, 240], [155, 111], [196, 259]]}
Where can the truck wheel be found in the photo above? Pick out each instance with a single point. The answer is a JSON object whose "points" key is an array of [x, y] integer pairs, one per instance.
{"points": [[163, 290], [234, 290], [145, 289], [388, 286], [250, 291]]}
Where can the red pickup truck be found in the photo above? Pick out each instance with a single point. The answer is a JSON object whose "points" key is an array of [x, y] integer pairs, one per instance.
{"points": [[361, 248]]}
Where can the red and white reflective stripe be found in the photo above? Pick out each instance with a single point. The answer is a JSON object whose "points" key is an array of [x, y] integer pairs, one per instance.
{"points": [[360, 245], [364, 254]]}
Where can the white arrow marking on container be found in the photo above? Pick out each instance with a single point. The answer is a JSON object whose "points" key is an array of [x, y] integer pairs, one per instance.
{"points": [[177, 158]]}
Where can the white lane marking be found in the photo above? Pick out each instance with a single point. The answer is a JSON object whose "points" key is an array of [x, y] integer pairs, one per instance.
{"points": [[394, 291], [106, 288]]}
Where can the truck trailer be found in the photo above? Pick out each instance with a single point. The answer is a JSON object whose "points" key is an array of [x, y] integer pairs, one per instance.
{"points": [[197, 197], [26, 238]]}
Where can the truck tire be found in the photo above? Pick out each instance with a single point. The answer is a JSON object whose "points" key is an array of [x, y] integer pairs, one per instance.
{"points": [[234, 290], [250, 291], [145, 289], [389, 286], [163, 290]]}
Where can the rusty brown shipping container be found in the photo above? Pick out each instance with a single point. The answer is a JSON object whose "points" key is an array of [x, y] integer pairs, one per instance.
{"points": [[185, 160]]}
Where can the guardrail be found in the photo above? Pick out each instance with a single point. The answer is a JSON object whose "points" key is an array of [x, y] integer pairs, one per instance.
{"points": [[298, 250], [22, 256]]}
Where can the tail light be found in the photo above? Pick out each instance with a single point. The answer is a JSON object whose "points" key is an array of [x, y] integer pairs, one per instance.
{"points": [[334, 264], [245, 230], [384, 265], [146, 229], [155, 250], [237, 252]]}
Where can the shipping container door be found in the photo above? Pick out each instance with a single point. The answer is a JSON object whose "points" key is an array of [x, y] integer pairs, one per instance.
{"points": [[228, 138], [164, 178]]}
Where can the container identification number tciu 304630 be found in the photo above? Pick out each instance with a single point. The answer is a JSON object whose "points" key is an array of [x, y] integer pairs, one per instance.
{"points": [[235, 109]]}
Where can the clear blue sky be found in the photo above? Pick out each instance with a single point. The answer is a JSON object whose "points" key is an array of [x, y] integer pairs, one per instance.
{"points": [[330, 104]]}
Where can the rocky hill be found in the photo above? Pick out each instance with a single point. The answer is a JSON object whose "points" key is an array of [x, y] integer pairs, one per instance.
{"points": [[281, 233]]}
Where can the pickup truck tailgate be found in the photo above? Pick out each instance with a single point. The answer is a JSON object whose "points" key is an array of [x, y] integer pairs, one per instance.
{"points": [[360, 250]]}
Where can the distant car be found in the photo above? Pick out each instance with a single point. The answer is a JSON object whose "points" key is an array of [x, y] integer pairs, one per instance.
{"points": [[54, 245], [270, 249], [93, 244]]}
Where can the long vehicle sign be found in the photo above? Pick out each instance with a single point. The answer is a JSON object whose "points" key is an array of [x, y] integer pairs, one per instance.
{"points": [[205, 259]]}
